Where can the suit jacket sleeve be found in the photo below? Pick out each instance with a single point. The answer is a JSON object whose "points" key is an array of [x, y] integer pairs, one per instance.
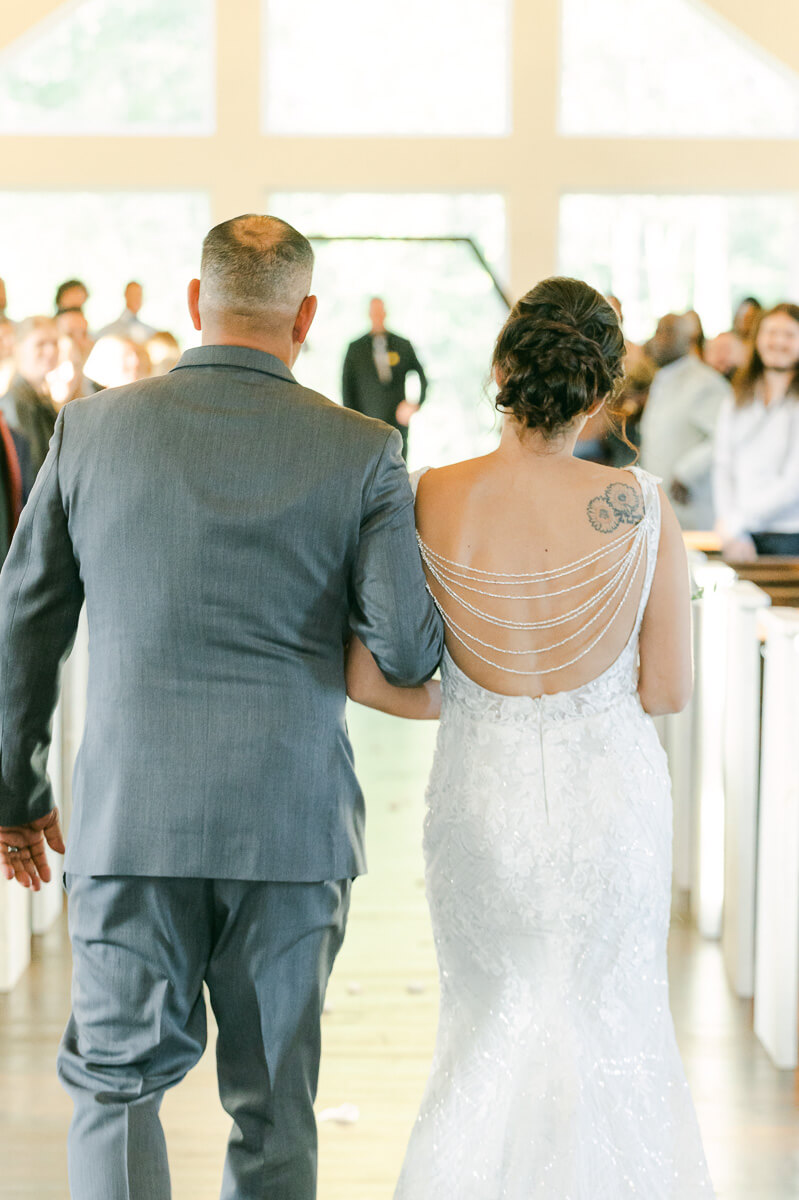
{"points": [[41, 595], [349, 380], [695, 465], [391, 610], [419, 369]]}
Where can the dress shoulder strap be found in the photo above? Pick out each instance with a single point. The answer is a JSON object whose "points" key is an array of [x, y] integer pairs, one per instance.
{"points": [[651, 502], [415, 476]]}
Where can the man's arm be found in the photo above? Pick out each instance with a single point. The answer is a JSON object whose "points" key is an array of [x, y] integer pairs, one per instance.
{"points": [[391, 610], [41, 594], [419, 369], [694, 466]]}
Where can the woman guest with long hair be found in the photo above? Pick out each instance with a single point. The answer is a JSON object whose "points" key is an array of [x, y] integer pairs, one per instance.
{"points": [[756, 467]]}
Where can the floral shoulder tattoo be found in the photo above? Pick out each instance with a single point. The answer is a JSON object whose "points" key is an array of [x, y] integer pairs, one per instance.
{"points": [[618, 505]]}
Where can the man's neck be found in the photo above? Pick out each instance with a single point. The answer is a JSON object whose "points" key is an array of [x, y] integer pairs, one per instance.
{"points": [[381, 332], [277, 347]]}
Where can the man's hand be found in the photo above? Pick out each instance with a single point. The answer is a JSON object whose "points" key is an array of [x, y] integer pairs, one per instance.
{"points": [[405, 411], [739, 549], [680, 494], [22, 850]]}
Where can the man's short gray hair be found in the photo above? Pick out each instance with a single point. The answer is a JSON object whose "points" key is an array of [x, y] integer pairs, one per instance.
{"points": [[255, 267]]}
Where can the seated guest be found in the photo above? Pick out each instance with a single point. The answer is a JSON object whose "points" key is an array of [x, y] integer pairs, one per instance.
{"points": [[725, 353], [746, 317], [68, 381], [15, 482], [164, 352], [27, 405], [7, 342], [71, 294], [697, 333], [115, 361], [679, 420], [128, 325], [756, 465]]}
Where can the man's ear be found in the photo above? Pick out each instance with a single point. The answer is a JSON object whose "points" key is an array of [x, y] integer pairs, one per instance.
{"points": [[304, 319], [194, 303]]}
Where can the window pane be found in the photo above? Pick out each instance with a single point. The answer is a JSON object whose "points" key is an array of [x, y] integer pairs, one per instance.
{"points": [[437, 294], [105, 239], [356, 67], [145, 66], [662, 254], [645, 68]]}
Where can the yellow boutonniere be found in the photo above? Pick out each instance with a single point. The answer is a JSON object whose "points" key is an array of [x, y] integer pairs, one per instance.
{"points": [[393, 358]]}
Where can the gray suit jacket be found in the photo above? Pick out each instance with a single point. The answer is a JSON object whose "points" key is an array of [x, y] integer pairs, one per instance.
{"points": [[227, 528]]}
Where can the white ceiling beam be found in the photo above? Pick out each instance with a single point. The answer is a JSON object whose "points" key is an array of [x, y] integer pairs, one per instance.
{"points": [[20, 17], [763, 24]]}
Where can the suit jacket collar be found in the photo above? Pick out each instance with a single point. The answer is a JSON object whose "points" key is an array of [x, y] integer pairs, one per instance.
{"points": [[235, 356]]}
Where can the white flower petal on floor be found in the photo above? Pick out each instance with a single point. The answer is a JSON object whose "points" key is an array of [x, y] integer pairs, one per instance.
{"points": [[344, 1114]]}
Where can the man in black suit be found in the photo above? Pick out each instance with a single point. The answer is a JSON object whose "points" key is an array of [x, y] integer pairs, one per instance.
{"points": [[375, 367]]}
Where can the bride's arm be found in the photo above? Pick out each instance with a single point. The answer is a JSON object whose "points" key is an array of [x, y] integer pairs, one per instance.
{"points": [[665, 677], [367, 685]]}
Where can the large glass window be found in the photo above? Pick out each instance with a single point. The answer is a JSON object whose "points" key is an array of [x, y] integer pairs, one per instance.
{"points": [[663, 254], [653, 69], [104, 239], [437, 291], [357, 67], [100, 67]]}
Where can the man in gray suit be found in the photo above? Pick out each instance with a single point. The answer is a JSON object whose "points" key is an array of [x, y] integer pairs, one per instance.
{"points": [[227, 529]]}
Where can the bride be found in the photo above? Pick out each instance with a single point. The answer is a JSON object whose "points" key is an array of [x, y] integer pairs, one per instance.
{"points": [[564, 589]]}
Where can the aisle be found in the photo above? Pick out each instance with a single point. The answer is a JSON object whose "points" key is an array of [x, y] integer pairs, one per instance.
{"points": [[379, 1032]]}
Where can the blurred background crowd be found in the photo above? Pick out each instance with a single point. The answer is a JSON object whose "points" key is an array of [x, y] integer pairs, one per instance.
{"points": [[716, 419]]}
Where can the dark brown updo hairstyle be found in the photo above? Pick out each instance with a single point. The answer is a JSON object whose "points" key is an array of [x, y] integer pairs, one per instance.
{"points": [[560, 350]]}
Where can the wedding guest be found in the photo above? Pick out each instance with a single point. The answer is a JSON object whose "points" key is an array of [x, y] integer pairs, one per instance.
{"points": [[15, 483], [746, 316], [7, 343], [756, 465], [128, 324], [697, 333], [68, 381], [71, 294], [375, 369], [3, 301], [164, 351], [679, 420], [623, 434], [27, 405], [115, 361], [725, 353]]}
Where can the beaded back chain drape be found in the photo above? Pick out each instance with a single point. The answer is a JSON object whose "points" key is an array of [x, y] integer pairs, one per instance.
{"points": [[595, 587]]}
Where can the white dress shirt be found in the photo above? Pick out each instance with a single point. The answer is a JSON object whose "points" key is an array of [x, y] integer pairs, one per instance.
{"points": [[677, 433], [756, 467], [381, 357]]}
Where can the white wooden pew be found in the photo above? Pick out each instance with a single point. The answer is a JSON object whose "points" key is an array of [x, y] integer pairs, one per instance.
{"points": [[742, 699], [777, 925]]}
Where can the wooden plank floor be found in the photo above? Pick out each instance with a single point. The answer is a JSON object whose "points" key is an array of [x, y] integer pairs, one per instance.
{"points": [[379, 1031]]}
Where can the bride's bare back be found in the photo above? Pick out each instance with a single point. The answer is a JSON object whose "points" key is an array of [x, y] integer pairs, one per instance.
{"points": [[537, 560]]}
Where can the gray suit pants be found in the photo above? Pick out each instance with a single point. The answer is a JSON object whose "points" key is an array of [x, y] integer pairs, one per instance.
{"points": [[142, 948]]}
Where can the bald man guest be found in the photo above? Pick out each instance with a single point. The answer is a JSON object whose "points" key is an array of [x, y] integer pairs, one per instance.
{"points": [[376, 367], [217, 820]]}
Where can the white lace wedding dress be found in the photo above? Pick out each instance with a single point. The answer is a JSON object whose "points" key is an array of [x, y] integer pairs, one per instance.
{"points": [[556, 1074]]}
